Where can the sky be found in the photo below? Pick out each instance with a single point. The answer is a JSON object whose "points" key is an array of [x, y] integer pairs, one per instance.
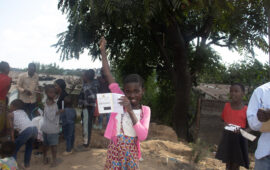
{"points": [[28, 28]]}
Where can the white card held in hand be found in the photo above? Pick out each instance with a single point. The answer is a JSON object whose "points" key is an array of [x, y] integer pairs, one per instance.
{"points": [[109, 103], [247, 135], [232, 127]]}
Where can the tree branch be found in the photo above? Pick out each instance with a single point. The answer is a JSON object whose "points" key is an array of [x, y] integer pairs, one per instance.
{"points": [[215, 40], [164, 54], [221, 45]]}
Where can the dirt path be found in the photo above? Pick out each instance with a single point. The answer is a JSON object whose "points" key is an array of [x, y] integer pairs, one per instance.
{"points": [[157, 155]]}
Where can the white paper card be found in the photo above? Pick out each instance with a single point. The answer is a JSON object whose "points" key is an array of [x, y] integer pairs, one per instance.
{"points": [[109, 103], [247, 135], [232, 127]]}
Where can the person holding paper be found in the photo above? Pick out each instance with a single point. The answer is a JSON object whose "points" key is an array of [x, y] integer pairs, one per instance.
{"points": [[28, 87], [233, 148], [68, 118], [60, 87], [258, 113], [125, 130]]}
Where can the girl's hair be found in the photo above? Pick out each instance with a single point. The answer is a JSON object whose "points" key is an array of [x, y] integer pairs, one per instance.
{"points": [[68, 101], [17, 104], [134, 78], [48, 87], [242, 87], [4, 66], [90, 74], [7, 149], [61, 83]]}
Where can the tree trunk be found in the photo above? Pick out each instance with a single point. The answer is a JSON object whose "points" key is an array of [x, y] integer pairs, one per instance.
{"points": [[182, 99], [182, 80]]}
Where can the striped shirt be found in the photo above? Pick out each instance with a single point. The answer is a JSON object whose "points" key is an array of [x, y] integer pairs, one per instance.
{"points": [[88, 94]]}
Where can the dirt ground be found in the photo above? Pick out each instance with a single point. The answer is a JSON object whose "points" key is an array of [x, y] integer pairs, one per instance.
{"points": [[157, 155]]}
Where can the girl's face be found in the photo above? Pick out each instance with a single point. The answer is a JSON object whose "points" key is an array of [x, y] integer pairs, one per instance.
{"points": [[57, 88], [134, 93], [236, 93], [51, 93]]}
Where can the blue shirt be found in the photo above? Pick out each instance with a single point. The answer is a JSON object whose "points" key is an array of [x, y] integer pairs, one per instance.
{"points": [[69, 116], [259, 99]]}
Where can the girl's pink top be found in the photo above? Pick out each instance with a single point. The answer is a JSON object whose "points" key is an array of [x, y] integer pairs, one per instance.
{"points": [[141, 127]]}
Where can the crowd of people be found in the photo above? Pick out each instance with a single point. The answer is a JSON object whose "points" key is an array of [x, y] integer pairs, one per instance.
{"points": [[29, 122], [125, 131]]}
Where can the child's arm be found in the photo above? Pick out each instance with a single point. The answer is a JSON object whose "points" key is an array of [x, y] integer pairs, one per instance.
{"points": [[105, 64], [60, 112], [140, 126], [11, 126]]}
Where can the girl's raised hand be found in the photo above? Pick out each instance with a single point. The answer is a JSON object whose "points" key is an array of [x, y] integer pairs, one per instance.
{"points": [[102, 44], [124, 101]]}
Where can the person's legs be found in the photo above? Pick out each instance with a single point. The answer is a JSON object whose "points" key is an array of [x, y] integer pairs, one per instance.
{"points": [[68, 137], [45, 158], [65, 132], [29, 147], [235, 166], [45, 148], [90, 119], [228, 166], [54, 153], [85, 126], [100, 121], [23, 137], [72, 131], [262, 164], [28, 152]]}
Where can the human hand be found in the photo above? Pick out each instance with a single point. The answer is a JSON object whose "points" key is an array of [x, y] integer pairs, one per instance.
{"points": [[102, 44], [124, 101], [28, 92], [263, 115], [237, 130], [60, 111]]}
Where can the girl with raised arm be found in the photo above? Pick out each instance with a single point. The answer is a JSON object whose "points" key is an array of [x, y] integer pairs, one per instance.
{"points": [[125, 130]]}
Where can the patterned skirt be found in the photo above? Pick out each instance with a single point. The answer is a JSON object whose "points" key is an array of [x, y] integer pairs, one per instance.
{"points": [[123, 154]]}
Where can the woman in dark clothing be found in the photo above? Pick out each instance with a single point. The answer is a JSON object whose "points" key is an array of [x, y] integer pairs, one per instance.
{"points": [[60, 87]]}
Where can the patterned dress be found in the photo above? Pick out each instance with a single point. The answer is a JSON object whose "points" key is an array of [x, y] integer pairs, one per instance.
{"points": [[8, 164], [122, 152]]}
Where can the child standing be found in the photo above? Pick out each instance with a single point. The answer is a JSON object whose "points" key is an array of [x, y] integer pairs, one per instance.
{"points": [[125, 130], [7, 151], [20, 121], [50, 126], [233, 148], [87, 100], [68, 118]]}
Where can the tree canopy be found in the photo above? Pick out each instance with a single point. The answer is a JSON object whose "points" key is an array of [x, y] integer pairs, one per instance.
{"points": [[173, 37]]}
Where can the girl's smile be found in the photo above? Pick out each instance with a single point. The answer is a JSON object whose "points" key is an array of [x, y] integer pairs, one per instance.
{"points": [[134, 93]]}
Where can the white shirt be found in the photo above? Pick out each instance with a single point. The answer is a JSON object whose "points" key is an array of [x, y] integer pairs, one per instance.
{"points": [[127, 123], [21, 121], [259, 99], [50, 124]]}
